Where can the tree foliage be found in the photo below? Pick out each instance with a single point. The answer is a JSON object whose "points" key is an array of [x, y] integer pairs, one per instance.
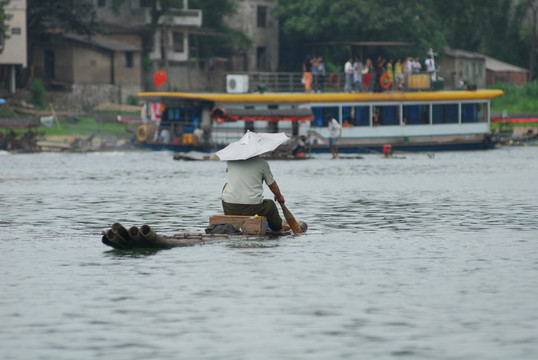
{"points": [[4, 18], [214, 13], [54, 16], [493, 27]]}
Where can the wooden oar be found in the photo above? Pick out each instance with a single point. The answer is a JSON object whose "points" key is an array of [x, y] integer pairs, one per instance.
{"points": [[295, 227]]}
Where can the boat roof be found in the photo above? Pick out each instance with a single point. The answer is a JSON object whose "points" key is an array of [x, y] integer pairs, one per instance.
{"points": [[306, 98]]}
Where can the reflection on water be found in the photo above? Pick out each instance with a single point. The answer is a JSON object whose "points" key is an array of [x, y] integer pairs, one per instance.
{"points": [[418, 257]]}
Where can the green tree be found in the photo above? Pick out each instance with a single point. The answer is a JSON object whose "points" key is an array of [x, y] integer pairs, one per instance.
{"points": [[4, 18], [218, 39], [312, 21]]}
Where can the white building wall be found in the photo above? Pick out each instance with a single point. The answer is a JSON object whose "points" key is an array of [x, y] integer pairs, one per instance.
{"points": [[15, 49]]}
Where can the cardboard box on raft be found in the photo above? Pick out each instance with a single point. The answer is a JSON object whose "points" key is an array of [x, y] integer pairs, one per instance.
{"points": [[249, 224]]}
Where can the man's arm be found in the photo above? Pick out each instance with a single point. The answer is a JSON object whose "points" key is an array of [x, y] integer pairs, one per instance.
{"points": [[276, 191]]}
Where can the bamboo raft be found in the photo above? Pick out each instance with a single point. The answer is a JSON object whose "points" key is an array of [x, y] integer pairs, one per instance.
{"points": [[246, 227]]}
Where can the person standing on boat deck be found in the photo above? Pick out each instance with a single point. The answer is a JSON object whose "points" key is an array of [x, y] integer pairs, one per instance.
{"points": [[430, 67], [357, 74], [321, 70], [335, 131], [243, 193], [348, 71]]}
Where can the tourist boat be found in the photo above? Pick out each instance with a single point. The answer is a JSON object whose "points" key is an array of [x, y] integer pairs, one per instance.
{"points": [[408, 121]]}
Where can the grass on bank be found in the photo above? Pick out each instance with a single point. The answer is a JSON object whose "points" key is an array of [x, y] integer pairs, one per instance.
{"points": [[76, 126], [517, 99], [86, 126]]}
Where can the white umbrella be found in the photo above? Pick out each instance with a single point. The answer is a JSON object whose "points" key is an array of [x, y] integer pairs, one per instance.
{"points": [[252, 144]]}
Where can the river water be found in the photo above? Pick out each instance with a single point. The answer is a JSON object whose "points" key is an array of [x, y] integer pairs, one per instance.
{"points": [[413, 257]]}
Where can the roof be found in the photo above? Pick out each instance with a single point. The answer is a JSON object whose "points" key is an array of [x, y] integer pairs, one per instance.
{"points": [[464, 54], [499, 66], [317, 98], [364, 43], [491, 63], [102, 42]]}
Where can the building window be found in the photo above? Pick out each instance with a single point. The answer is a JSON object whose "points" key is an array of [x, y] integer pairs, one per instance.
{"points": [[49, 65], [129, 63], [262, 16], [261, 58], [146, 3], [179, 42]]}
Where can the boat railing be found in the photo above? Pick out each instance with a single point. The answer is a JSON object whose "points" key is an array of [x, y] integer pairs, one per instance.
{"points": [[291, 82]]}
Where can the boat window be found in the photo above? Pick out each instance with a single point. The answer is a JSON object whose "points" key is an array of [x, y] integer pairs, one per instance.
{"points": [[295, 128], [272, 126], [416, 114], [356, 115], [321, 113], [386, 115], [474, 112], [249, 125], [445, 113], [188, 117]]}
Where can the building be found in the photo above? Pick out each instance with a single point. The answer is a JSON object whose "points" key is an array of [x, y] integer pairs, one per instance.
{"points": [[119, 63], [13, 46], [462, 67], [93, 70], [473, 69], [163, 37], [254, 19], [498, 71]]}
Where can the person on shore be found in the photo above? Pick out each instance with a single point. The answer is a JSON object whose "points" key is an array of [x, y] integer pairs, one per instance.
{"points": [[335, 131], [247, 171]]}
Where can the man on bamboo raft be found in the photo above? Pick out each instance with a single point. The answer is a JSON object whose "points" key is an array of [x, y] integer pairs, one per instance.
{"points": [[247, 171]]}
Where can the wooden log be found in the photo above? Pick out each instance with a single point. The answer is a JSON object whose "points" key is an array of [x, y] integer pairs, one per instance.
{"points": [[153, 238], [123, 234], [107, 242], [249, 224], [116, 240], [137, 237]]}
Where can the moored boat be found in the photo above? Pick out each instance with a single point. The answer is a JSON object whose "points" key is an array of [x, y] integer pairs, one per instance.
{"points": [[408, 121]]}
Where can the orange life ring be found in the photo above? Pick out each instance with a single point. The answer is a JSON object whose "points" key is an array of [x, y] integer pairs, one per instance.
{"points": [[142, 132], [385, 81], [334, 80]]}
